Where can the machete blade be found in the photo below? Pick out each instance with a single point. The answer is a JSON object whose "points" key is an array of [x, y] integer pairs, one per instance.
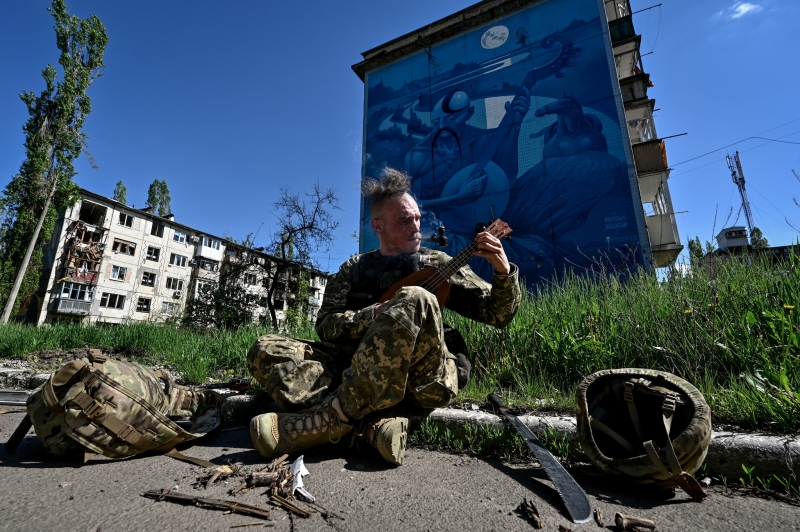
{"points": [[576, 501]]}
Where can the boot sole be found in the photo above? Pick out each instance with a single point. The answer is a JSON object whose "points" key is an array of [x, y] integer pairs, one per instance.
{"points": [[393, 440]]}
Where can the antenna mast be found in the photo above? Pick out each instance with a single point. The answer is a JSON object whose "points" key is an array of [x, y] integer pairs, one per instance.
{"points": [[737, 174]]}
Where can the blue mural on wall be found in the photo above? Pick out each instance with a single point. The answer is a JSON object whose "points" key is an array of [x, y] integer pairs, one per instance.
{"points": [[516, 120]]}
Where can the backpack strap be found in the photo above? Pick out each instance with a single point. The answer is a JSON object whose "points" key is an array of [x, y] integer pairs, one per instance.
{"points": [[670, 399]]}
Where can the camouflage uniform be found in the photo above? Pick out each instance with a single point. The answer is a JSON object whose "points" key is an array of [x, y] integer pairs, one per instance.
{"points": [[371, 362]]}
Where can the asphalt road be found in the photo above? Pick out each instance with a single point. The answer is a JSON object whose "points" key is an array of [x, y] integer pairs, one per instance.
{"points": [[431, 491]]}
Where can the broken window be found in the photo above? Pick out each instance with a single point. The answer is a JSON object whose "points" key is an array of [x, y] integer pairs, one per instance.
{"points": [[250, 278], [204, 287], [125, 220], [171, 309], [177, 260], [112, 300], [77, 292], [174, 284], [179, 236], [118, 273], [157, 229], [126, 248], [210, 265], [143, 305], [153, 253], [92, 213], [148, 279]]}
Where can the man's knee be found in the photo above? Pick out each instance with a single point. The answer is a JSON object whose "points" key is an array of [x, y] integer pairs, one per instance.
{"points": [[273, 349], [417, 296], [413, 307]]}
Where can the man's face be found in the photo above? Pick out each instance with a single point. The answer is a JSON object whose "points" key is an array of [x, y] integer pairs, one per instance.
{"points": [[397, 226]]}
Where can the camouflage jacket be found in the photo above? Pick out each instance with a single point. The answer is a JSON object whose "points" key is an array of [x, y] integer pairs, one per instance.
{"points": [[472, 297]]}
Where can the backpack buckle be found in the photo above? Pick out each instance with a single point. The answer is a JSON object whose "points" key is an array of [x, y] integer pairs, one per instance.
{"points": [[93, 409], [628, 393], [669, 404]]}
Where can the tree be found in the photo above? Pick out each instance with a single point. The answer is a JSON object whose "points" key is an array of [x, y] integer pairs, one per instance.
{"points": [[304, 227], [53, 139], [120, 193], [757, 239], [158, 197], [695, 252]]}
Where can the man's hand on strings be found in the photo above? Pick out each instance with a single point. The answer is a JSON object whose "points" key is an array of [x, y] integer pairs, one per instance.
{"points": [[491, 249]]}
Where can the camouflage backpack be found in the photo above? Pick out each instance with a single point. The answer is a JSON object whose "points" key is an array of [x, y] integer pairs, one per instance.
{"points": [[648, 426], [117, 409]]}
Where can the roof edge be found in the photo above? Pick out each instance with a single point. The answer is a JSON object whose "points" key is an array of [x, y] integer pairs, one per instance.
{"points": [[419, 39]]}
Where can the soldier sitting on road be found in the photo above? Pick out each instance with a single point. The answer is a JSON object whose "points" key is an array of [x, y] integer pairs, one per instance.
{"points": [[374, 354]]}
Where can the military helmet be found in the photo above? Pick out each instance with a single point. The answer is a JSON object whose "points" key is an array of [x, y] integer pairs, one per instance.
{"points": [[645, 425]]}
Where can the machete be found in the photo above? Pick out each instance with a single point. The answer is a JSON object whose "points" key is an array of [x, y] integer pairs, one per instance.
{"points": [[578, 506]]}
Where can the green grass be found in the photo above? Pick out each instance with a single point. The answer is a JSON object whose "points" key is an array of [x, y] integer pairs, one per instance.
{"points": [[712, 332], [736, 337]]}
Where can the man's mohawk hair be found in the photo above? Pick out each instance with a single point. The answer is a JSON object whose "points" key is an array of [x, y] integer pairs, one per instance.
{"points": [[391, 184]]}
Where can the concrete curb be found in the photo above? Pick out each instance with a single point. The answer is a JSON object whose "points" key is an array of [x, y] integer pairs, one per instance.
{"points": [[770, 454]]}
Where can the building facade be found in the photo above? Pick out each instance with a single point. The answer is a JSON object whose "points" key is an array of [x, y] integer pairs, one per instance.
{"points": [[108, 262], [532, 111]]}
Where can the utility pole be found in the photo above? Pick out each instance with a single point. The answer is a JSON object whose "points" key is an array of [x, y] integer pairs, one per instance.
{"points": [[737, 174]]}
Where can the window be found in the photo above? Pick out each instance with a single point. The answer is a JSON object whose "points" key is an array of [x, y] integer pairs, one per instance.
{"points": [[148, 279], [77, 292], [204, 287], [157, 229], [170, 308], [263, 302], [177, 260], [265, 282], [211, 243], [118, 273], [125, 220], [153, 253], [112, 300], [250, 278], [126, 248], [210, 265], [179, 236], [174, 284], [143, 305]]}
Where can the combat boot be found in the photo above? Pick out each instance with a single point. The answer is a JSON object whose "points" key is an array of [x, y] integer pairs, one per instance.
{"points": [[276, 434], [388, 435]]}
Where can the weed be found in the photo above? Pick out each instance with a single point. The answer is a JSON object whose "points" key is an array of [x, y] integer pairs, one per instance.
{"points": [[749, 472]]}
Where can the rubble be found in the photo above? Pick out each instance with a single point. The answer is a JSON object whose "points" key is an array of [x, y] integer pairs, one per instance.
{"points": [[529, 510], [631, 522], [211, 504]]}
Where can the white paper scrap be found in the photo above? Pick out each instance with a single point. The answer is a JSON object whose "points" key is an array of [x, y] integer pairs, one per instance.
{"points": [[299, 470]]}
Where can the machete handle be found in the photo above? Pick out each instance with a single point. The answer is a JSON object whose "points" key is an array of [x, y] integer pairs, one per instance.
{"points": [[496, 402]]}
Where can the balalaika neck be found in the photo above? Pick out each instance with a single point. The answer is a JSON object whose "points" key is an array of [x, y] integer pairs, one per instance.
{"points": [[457, 262]]}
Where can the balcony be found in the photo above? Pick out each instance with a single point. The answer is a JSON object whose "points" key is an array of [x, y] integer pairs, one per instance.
{"points": [[662, 230], [616, 9], [639, 118], [634, 88], [621, 29], [650, 157], [70, 306], [627, 59]]}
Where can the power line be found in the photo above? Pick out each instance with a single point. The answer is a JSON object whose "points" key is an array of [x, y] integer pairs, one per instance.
{"points": [[738, 142], [743, 151]]}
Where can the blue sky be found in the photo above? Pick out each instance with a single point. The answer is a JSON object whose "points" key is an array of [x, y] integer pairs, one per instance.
{"points": [[229, 101]]}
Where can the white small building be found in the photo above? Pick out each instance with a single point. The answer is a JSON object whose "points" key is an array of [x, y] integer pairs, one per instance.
{"points": [[107, 262]]}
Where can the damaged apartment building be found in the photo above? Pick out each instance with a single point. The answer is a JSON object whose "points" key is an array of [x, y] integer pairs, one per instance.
{"points": [[111, 263]]}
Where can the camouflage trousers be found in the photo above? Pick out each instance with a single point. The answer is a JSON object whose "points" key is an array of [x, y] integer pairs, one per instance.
{"points": [[403, 351]]}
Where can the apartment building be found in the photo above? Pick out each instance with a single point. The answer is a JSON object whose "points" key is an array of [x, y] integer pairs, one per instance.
{"points": [[111, 263]]}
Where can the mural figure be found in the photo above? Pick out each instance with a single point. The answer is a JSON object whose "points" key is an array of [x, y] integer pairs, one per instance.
{"points": [[446, 167], [557, 194], [526, 129]]}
